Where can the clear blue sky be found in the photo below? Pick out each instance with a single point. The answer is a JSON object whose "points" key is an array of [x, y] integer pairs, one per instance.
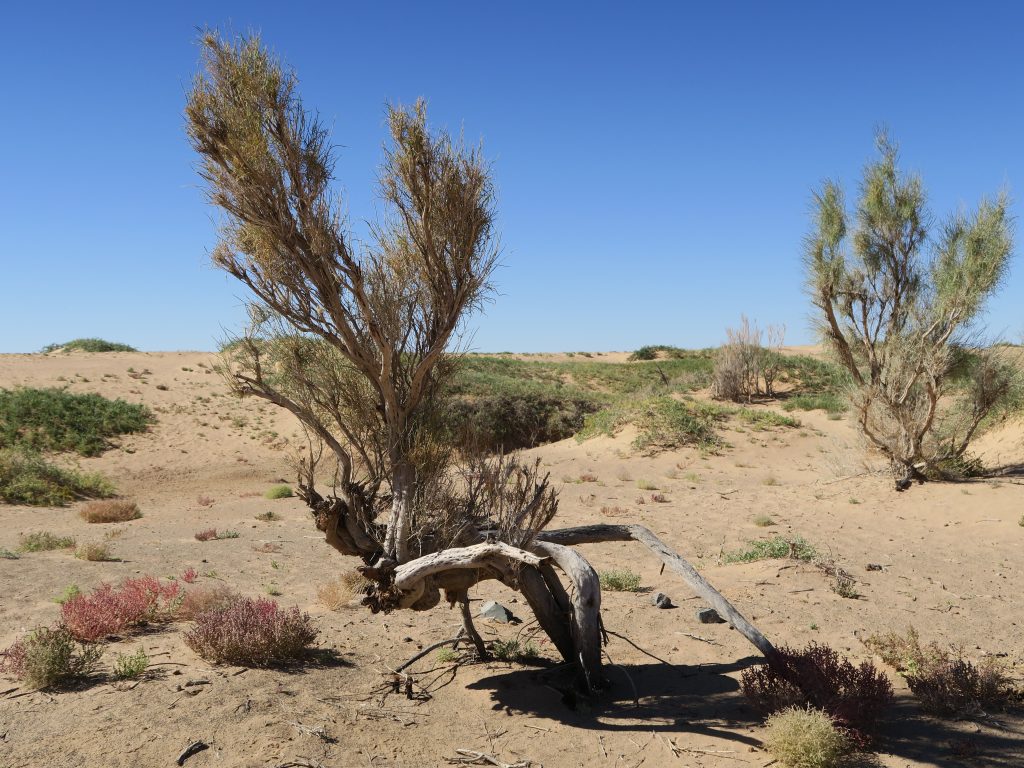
{"points": [[654, 161]]}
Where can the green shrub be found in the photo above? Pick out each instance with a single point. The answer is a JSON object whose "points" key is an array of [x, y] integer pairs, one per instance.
{"points": [[805, 738], [774, 548], [27, 478], [268, 517], [619, 580], [824, 401], [89, 345], [279, 492], [57, 420], [70, 591], [513, 650], [44, 541], [765, 419], [129, 667], [49, 657]]}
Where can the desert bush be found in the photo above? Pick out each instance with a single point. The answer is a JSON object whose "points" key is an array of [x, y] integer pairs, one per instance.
{"points": [[189, 575], [805, 738], [268, 517], [513, 650], [897, 317], [71, 590], [44, 541], [89, 345], [338, 592], [131, 666], [207, 534], [775, 548], [49, 657], [742, 363], [946, 684], [94, 551], [109, 609], [110, 511], [252, 633], [854, 697], [203, 599], [27, 478], [623, 580], [279, 492], [57, 420]]}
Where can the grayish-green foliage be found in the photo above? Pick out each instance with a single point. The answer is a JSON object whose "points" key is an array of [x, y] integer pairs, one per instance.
{"points": [[898, 304]]}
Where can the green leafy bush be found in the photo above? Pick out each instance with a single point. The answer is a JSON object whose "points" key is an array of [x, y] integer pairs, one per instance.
{"points": [[279, 492], [27, 478], [622, 580], [44, 541], [776, 548], [131, 666], [57, 420]]}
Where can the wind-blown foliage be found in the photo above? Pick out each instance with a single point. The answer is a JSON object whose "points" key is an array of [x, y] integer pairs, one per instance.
{"points": [[897, 306]]}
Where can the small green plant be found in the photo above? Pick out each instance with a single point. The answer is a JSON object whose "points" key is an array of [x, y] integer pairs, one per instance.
{"points": [[131, 666], [854, 500], [227, 535], [94, 552], [763, 521], [513, 650], [46, 658], [279, 492], [844, 585], [770, 480], [6, 554], [774, 548], [269, 516], [805, 738], [692, 477], [619, 580], [70, 591], [44, 541], [646, 485], [448, 655], [273, 590]]}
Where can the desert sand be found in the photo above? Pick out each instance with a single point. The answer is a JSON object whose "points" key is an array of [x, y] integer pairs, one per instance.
{"points": [[951, 556]]}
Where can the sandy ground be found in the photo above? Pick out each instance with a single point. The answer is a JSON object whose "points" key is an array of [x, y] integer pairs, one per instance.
{"points": [[953, 566]]}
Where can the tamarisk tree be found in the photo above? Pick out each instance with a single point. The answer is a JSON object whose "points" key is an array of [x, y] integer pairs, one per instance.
{"points": [[898, 307], [355, 339]]}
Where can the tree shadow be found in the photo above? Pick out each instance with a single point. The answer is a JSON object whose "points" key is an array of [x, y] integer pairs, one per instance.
{"points": [[640, 697], [996, 742]]}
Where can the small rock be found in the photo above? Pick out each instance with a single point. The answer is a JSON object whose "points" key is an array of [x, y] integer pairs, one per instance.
{"points": [[873, 567], [495, 612], [661, 600], [708, 616]]}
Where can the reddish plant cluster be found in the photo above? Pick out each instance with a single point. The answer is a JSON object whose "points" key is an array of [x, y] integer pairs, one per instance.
{"points": [[854, 697], [252, 632], [206, 535], [190, 575], [108, 609]]}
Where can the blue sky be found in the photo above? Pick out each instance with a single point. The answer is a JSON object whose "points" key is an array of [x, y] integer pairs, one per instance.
{"points": [[654, 161]]}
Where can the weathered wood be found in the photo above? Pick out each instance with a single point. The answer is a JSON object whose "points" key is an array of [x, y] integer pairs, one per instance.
{"points": [[553, 616], [592, 534], [407, 575], [586, 607], [469, 628]]}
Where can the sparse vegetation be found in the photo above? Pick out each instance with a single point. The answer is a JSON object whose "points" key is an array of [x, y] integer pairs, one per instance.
{"points": [[776, 548], [252, 633], [49, 657], [805, 738], [207, 534], [44, 541], [269, 516], [337, 593], [742, 364], [622, 580], [202, 599], [513, 651], [279, 492], [94, 552], [28, 478], [945, 683], [89, 345], [763, 521], [110, 511]]}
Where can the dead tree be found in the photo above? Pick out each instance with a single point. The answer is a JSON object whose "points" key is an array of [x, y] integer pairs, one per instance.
{"points": [[354, 339]]}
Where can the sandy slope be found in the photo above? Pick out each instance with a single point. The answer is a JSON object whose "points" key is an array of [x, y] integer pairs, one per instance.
{"points": [[952, 566]]}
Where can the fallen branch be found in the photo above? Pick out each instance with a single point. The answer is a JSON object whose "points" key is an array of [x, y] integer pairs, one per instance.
{"points": [[429, 648], [192, 749], [471, 757]]}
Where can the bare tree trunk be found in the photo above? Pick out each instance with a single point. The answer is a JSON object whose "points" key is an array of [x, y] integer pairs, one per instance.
{"points": [[397, 543], [470, 629], [591, 534]]}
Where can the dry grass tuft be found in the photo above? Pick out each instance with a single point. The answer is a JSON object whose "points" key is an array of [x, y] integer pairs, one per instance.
{"points": [[336, 594], [204, 599], [95, 551], [110, 511], [805, 738]]}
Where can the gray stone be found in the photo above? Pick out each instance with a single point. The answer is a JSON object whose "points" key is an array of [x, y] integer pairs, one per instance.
{"points": [[495, 612], [709, 616], [661, 600]]}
